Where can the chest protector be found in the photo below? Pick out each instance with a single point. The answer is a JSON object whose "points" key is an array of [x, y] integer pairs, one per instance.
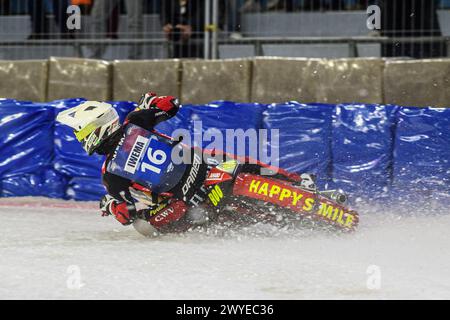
{"points": [[146, 158]]}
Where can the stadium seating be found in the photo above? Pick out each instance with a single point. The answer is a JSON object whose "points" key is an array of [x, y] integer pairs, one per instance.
{"points": [[273, 24], [17, 28]]}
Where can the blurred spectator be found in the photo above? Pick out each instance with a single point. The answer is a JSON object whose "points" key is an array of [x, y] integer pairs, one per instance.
{"points": [[112, 24], [411, 18], [152, 6], [285, 5], [293, 5], [103, 11], [183, 24], [40, 26], [85, 5], [233, 18], [253, 6], [314, 5], [5, 7]]}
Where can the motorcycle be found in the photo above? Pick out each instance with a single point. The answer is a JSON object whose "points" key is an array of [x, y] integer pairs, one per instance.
{"points": [[246, 198]]}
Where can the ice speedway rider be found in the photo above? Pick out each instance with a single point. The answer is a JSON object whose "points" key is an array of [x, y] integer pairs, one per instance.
{"points": [[174, 190]]}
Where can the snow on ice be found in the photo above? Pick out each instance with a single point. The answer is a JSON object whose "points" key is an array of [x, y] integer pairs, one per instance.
{"points": [[51, 249]]}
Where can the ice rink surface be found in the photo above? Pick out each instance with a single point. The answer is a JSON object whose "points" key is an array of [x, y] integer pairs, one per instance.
{"points": [[46, 244]]}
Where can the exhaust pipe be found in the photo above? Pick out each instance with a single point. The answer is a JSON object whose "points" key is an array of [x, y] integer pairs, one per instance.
{"points": [[336, 195]]}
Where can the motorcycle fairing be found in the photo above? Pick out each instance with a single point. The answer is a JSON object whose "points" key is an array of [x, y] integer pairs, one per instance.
{"points": [[298, 200]]}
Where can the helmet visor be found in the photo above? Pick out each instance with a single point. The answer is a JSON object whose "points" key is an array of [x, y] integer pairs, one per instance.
{"points": [[86, 131], [91, 142]]}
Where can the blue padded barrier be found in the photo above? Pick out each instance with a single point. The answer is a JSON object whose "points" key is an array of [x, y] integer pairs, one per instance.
{"points": [[85, 189], [360, 148], [182, 120], [218, 116], [362, 141], [26, 140], [304, 133], [26, 150], [421, 161], [45, 183]]}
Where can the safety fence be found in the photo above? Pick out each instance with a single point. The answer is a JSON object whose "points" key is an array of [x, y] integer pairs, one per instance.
{"points": [[138, 29], [159, 48], [372, 151]]}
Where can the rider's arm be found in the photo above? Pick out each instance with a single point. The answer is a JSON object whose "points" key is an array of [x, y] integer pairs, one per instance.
{"points": [[119, 201], [153, 110]]}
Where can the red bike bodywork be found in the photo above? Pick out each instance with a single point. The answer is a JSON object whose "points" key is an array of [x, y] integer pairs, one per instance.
{"points": [[264, 192]]}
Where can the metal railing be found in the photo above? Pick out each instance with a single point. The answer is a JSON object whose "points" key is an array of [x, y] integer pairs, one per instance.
{"points": [[221, 18], [351, 42], [256, 42]]}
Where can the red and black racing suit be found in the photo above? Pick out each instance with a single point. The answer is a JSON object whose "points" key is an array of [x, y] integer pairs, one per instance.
{"points": [[188, 192], [120, 203]]}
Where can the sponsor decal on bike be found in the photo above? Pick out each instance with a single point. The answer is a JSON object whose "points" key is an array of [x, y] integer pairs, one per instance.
{"points": [[171, 213], [215, 195], [192, 173], [216, 176], [228, 166], [335, 213], [117, 148], [136, 154], [285, 195], [152, 212], [197, 197], [164, 214]]}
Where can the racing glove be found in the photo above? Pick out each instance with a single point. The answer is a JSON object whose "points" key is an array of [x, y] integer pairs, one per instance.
{"points": [[120, 210], [166, 106], [105, 205]]}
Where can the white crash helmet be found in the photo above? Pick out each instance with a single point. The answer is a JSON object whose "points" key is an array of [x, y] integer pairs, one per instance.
{"points": [[92, 121]]}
